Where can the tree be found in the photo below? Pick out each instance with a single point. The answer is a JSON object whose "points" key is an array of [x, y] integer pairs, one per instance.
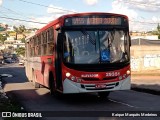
{"points": [[20, 51], [19, 30], [158, 29], [2, 38], [23, 40], [6, 25], [22, 29]]}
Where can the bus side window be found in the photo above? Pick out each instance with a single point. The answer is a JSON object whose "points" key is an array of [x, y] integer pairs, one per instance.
{"points": [[36, 45], [50, 41], [31, 47], [39, 44], [44, 44]]}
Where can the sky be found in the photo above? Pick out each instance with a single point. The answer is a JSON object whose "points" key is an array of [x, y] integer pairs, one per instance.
{"points": [[144, 15]]}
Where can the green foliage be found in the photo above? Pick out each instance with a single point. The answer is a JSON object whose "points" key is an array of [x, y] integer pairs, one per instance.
{"points": [[158, 31], [154, 32], [23, 40], [20, 51], [21, 29], [2, 38], [2, 29], [158, 28]]}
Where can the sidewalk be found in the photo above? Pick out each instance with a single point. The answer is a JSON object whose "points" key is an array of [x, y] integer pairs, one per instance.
{"points": [[146, 83]]}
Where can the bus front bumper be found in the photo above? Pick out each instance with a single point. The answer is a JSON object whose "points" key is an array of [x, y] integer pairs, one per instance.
{"points": [[73, 87]]}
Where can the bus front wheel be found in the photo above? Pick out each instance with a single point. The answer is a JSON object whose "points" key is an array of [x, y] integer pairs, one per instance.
{"points": [[52, 88]]}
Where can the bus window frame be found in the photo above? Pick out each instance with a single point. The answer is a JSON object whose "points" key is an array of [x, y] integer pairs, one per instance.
{"points": [[39, 44], [50, 40]]}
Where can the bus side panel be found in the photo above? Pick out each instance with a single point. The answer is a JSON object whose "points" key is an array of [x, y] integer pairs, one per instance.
{"points": [[36, 66], [48, 67], [28, 70]]}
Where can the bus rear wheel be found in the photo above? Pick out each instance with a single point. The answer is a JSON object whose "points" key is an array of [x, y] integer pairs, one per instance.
{"points": [[103, 94], [52, 88]]}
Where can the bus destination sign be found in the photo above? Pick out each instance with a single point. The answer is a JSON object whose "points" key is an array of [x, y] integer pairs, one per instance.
{"points": [[75, 21], [96, 21]]}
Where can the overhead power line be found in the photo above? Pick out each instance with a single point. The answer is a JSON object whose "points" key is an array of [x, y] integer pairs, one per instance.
{"points": [[22, 20], [14, 12], [48, 6]]}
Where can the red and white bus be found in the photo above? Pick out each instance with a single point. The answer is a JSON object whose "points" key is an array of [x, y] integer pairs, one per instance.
{"points": [[81, 53]]}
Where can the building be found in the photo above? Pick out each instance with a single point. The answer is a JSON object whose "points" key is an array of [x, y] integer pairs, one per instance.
{"points": [[2, 47], [20, 36], [12, 35], [10, 28], [11, 43]]}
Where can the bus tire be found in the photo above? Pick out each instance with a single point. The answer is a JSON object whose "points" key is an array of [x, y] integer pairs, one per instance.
{"points": [[103, 94], [52, 88], [51, 84]]}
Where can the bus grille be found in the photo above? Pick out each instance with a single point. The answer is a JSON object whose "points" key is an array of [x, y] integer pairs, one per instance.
{"points": [[97, 79], [93, 86], [90, 79]]}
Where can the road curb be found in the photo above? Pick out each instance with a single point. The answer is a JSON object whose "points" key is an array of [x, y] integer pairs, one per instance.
{"points": [[145, 90]]}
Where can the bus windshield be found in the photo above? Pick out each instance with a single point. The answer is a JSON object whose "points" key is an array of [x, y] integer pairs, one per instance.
{"points": [[96, 47]]}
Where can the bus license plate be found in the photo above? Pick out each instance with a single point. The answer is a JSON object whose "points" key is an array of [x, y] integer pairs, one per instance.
{"points": [[100, 86]]}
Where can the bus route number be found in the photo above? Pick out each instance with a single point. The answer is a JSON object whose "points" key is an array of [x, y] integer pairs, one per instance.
{"points": [[110, 74]]}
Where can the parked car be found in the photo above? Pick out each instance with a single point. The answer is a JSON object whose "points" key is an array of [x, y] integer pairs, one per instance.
{"points": [[8, 60], [21, 62]]}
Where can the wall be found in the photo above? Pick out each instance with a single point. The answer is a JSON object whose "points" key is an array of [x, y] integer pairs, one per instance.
{"points": [[145, 58], [150, 37]]}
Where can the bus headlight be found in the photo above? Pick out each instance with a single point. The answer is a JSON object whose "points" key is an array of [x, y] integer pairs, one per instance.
{"points": [[68, 74], [128, 72]]}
